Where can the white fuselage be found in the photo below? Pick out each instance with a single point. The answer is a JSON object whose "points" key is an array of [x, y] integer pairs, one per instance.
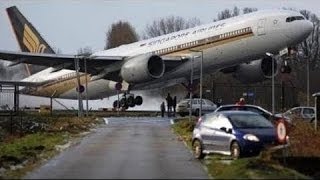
{"points": [[221, 44]]}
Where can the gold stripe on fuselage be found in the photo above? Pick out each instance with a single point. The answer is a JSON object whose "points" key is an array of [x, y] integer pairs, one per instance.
{"points": [[207, 43], [60, 86]]}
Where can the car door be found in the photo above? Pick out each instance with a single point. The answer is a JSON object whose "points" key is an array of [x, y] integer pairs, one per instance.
{"points": [[222, 138], [207, 131]]}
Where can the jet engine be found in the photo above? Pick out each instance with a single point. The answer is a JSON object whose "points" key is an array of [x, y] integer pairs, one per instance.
{"points": [[255, 71], [142, 68]]}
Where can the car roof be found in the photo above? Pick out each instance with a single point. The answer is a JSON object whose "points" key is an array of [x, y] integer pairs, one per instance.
{"points": [[245, 105], [229, 112], [303, 107]]}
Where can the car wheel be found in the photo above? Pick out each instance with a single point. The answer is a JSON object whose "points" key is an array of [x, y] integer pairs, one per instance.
{"points": [[197, 112], [235, 150], [197, 149]]}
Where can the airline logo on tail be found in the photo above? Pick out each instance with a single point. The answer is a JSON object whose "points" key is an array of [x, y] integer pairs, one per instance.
{"points": [[31, 41]]}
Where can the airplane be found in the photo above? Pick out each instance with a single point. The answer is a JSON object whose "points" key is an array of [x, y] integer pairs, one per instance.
{"points": [[240, 45]]}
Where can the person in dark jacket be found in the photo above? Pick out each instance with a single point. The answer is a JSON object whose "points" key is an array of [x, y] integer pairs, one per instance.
{"points": [[174, 104], [162, 108], [169, 104]]}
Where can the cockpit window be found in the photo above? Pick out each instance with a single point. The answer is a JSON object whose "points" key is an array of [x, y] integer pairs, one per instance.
{"points": [[293, 18]]}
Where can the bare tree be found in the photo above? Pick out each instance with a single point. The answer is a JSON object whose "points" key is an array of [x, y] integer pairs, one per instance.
{"points": [[228, 13], [310, 46], [85, 51], [247, 10], [168, 25], [120, 33]]}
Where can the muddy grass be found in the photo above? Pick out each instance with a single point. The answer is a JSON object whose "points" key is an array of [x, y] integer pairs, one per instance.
{"points": [[28, 141]]}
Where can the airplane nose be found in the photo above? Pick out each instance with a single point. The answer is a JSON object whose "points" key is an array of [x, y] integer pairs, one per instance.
{"points": [[309, 27]]}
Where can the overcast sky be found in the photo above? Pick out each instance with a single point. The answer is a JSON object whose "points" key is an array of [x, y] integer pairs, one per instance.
{"points": [[73, 24]]}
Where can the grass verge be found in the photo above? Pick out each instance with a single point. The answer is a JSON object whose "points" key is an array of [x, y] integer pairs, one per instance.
{"points": [[21, 150]]}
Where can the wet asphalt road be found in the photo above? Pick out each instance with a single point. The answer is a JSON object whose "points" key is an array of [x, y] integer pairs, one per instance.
{"points": [[125, 148]]}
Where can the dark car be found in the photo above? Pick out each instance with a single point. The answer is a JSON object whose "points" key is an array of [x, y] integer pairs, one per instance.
{"points": [[235, 133], [274, 118]]}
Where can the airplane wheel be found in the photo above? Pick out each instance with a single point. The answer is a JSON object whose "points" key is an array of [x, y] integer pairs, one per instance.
{"points": [[115, 104], [138, 100], [130, 101], [123, 102]]}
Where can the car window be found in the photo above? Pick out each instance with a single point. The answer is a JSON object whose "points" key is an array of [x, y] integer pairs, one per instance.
{"points": [[209, 120], [249, 121], [296, 111], [194, 101], [209, 103], [222, 121], [259, 111], [308, 111]]}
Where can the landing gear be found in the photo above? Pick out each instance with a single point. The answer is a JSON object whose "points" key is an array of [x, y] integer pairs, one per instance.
{"points": [[128, 100]]}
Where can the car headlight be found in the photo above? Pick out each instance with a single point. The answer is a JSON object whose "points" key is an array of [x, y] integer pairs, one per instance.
{"points": [[251, 137]]}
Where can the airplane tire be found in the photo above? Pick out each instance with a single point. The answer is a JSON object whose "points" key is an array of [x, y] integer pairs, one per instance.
{"points": [[138, 100], [130, 101], [123, 102], [115, 104]]}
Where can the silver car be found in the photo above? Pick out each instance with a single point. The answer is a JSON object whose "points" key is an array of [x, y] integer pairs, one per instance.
{"points": [[183, 106], [301, 112]]}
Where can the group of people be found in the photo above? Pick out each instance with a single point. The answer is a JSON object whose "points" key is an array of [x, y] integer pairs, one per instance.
{"points": [[171, 106]]}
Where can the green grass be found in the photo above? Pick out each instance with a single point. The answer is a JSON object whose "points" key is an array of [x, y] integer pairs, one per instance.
{"points": [[20, 148], [184, 127], [32, 147], [250, 168]]}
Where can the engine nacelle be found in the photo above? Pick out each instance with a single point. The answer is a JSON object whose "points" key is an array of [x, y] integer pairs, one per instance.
{"points": [[256, 71], [142, 68]]}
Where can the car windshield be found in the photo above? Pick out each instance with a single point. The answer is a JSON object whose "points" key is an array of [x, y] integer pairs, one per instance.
{"points": [[249, 121]]}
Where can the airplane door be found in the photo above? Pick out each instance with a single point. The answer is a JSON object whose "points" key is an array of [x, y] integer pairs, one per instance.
{"points": [[261, 27]]}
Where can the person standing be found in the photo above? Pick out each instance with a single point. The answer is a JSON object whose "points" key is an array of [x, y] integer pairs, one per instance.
{"points": [[241, 102], [169, 104], [174, 104], [162, 108]]}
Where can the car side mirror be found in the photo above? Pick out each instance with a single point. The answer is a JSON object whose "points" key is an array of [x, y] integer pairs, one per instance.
{"points": [[226, 130]]}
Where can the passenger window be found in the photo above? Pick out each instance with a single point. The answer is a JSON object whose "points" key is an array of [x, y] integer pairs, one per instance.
{"points": [[221, 121], [308, 111], [210, 121]]}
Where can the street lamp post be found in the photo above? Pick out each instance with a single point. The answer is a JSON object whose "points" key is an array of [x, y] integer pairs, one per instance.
{"points": [[272, 58], [201, 69], [308, 85], [190, 89]]}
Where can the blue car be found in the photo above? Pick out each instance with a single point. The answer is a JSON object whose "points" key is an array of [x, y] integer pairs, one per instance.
{"points": [[235, 133]]}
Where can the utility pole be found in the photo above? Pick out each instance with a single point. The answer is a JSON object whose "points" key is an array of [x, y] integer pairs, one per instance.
{"points": [[80, 105], [190, 89], [87, 103], [201, 69]]}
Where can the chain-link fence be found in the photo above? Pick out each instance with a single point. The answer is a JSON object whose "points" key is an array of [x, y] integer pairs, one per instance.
{"points": [[9, 99]]}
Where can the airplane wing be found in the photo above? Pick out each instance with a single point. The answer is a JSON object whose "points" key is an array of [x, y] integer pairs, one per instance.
{"points": [[59, 61], [95, 64], [23, 83]]}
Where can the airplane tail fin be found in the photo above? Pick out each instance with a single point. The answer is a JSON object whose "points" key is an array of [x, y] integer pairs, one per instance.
{"points": [[28, 37]]}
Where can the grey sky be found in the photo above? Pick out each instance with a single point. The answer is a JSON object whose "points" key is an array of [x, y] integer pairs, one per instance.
{"points": [[70, 24], [73, 24]]}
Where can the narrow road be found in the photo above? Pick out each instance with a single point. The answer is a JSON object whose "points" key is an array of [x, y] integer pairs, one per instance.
{"points": [[125, 148]]}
